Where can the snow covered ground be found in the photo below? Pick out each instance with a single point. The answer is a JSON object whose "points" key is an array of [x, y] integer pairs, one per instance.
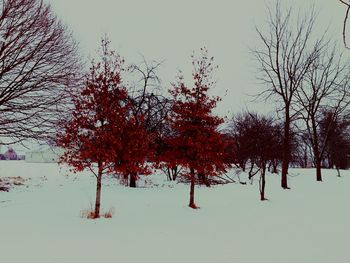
{"points": [[40, 221]]}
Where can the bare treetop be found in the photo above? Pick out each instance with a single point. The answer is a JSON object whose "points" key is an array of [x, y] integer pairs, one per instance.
{"points": [[287, 53]]}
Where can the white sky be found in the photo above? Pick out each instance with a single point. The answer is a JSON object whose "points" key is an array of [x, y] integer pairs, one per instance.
{"points": [[171, 30]]}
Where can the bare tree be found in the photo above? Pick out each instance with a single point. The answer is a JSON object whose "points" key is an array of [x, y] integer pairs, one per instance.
{"points": [[146, 94], [237, 130], [302, 154], [149, 106], [284, 58], [325, 87], [38, 65], [260, 136], [338, 143]]}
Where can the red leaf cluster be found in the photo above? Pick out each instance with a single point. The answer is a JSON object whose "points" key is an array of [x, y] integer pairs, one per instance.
{"points": [[196, 143], [102, 128]]}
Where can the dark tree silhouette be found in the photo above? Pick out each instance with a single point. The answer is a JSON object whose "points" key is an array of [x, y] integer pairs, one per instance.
{"points": [[237, 131], [149, 109], [337, 131], [284, 58], [261, 139], [38, 66], [326, 85], [303, 153]]}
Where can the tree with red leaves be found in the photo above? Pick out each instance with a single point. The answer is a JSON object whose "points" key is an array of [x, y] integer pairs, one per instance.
{"points": [[103, 128], [98, 120], [134, 149], [196, 144]]}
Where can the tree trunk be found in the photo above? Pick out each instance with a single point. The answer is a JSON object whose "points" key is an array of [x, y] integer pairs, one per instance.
{"points": [[305, 159], [243, 165], [262, 184], [192, 204], [203, 179], [330, 162], [174, 171], [286, 151], [98, 191], [316, 149], [273, 166], [132, 181], [168, 174], [318, 169]]}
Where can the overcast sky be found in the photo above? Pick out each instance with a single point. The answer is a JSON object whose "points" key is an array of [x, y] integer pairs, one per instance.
{"points": [[172, 29]]}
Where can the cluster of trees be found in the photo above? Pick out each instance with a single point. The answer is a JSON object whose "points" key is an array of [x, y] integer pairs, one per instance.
{"points": [[112, 126], [307, 79], [128, 133], [337, 148], [258, 144]]}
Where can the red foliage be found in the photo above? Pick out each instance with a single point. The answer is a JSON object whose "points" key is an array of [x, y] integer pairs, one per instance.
{"points": [[132, 154], [196, 144], [97, 120], [102, 128]]}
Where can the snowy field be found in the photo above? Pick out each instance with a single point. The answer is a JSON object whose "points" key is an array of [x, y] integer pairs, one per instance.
{"points": [[40, 221]]}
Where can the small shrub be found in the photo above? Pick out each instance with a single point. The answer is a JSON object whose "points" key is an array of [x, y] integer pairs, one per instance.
{"points": [[109, 213], [90, 213]]}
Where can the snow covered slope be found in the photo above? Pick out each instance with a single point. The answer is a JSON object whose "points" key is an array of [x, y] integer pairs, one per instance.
{"points": [[40, 221]]}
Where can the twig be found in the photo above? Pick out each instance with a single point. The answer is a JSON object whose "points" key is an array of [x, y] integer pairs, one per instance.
{"points": [[345, 22]]}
